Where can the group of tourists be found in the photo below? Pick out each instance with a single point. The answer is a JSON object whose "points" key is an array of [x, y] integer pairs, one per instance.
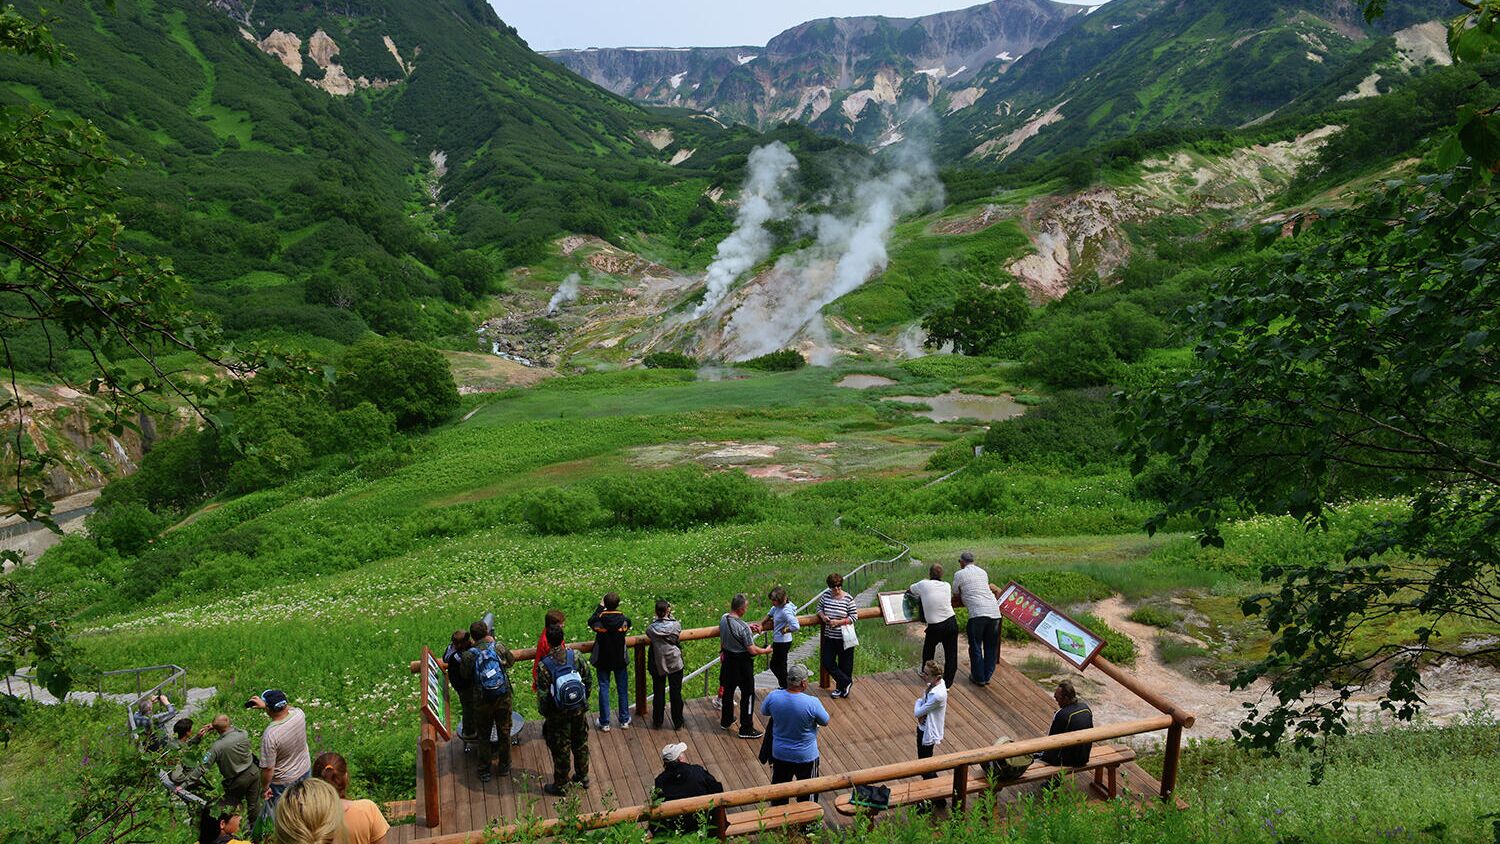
{"points": [[564, 681], [282, 787]]}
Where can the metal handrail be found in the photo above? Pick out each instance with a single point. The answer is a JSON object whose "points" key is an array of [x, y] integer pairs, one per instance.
{"points": [[801, 610]]}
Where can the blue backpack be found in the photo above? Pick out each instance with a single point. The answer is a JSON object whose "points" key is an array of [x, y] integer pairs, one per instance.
{"points": [[568, 693], [489, 675]]}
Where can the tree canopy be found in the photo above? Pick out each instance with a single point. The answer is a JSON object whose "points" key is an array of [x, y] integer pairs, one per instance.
{"points": [[979, 317], [405, 379], [1366, 364]]}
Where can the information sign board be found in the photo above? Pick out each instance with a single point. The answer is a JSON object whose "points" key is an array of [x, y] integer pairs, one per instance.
{"points": [[899, 608], [1062, 634], [435, 693]]}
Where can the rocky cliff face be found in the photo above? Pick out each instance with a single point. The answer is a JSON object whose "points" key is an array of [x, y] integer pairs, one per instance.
{"points": [[854, 78], [60, 422]]}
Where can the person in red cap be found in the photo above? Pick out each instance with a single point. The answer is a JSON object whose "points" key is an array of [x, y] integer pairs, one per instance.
{"points": [[284, 760]]}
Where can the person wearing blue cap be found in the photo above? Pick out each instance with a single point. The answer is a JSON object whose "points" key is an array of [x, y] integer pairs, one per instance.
{"points": [[284, 760]]}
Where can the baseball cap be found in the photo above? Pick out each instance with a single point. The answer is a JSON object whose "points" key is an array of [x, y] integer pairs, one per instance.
{"points": [[673, 752], [275, 699]]}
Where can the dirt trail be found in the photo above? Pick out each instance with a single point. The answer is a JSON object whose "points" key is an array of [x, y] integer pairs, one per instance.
{"points": [[1218, 709], [1452, 690]]}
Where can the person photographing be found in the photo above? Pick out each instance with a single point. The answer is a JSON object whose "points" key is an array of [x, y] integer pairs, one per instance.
{"points": [[284, 760]]}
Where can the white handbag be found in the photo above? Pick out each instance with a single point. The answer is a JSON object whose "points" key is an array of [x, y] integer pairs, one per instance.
{"points": [[850, 637]]}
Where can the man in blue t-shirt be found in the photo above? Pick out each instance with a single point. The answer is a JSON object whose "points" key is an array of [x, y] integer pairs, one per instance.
{"points": [[795, 718]]}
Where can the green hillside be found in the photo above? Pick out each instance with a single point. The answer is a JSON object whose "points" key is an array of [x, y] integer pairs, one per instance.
{"points": [[309, 217], [1138, 65]]}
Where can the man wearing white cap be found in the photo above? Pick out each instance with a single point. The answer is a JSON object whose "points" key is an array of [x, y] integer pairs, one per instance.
{"points": [[679, 779]]}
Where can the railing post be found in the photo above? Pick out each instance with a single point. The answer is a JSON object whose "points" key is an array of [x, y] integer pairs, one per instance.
{"points": [[960, 787], [721, 823], [1169, 764], [430, 774], [824, 680], [640, 680]]}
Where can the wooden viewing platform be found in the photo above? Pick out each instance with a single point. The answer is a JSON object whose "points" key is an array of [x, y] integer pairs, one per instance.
{"points": [[873, 727]]}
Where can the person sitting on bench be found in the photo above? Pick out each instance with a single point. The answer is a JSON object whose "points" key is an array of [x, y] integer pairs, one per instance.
{"points": [[680, 779], [1072, 715]]}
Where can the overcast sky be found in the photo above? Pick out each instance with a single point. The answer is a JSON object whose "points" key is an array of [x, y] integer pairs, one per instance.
{"points": [[555, 24]]}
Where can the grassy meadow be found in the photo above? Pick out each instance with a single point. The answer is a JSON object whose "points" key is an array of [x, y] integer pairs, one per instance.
{"points": [[327, 587]]}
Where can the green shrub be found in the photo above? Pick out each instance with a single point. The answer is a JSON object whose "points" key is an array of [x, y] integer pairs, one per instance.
{"points": [[1157, 480], [561, 510], [1061, 588], [1118, 648], [980, 317], [1074, 429], [668, 360], [948, 367], [125, 528], [405, 379], [1154, 616], [954, 455], [1072, 351], [785, 360], [1172, 650], [175, 474], [1133, 331], [680, 498]]}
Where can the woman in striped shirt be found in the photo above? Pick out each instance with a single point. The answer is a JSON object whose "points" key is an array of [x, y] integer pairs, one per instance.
{"points": [[836, 609]]}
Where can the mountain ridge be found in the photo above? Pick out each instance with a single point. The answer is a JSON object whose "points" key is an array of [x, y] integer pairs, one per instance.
{"points": [[848, 77]]}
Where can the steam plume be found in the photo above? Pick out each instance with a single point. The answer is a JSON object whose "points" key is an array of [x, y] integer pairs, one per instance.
{"points": [[850, 248], [761, 201], [912, 341], [567, 292]]}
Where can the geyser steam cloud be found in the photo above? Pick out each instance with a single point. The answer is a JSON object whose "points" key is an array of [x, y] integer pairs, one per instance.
{"points": [[761, 201], [850, 247], [566, 292]]}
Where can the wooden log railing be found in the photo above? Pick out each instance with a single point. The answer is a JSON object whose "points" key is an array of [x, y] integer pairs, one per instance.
{"points": [[639, 644], [1181, 718], [958, 763]]}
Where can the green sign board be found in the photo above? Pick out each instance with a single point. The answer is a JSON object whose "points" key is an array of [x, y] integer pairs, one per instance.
{"points": [[435, 693]]}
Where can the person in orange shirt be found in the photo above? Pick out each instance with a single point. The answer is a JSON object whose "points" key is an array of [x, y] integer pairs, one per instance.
{"points": [[554, 618], [363, 822]]}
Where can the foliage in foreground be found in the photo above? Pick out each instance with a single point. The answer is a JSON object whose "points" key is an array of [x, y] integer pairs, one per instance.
{"points": [[1366, 362]]}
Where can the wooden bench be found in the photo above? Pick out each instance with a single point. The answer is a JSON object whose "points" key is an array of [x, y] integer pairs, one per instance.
{"points": [[398, 810], [754, 821], [1104, 761]]}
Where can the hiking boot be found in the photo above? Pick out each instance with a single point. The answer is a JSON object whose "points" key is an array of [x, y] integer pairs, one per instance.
{"points": [[552, 790]]}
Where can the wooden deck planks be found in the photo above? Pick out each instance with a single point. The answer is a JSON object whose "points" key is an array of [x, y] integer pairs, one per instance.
{"points": [[874, 727]]}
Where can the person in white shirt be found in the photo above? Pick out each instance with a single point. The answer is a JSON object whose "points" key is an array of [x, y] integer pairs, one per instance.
{"points": [[972, 584], [936, 596], [930, 711]]}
